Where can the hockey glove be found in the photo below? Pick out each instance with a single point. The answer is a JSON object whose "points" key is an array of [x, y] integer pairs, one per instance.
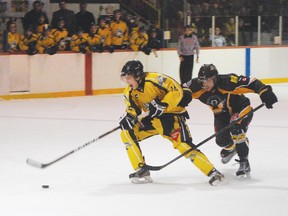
{"points": [[268, 97], [127, 122], [111, 49], [187, 97], [156, 108]]}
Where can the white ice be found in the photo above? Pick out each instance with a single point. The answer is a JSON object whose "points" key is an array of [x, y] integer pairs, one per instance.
{"points": [[94, 181]]}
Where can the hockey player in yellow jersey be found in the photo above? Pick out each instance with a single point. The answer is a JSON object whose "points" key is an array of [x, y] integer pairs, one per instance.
{"points": [[104, 33], [11, 38], [93, 39], [61, 35], [28, 41], [139, 40], [79, 41], [46, 42], [119, 32], [162, 97]]}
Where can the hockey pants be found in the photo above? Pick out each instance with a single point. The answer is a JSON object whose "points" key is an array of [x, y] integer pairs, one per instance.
{"points": [[171, 127], [224, 140]]}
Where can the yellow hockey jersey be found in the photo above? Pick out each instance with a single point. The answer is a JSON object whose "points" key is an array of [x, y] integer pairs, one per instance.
{"points": [[13, 40], [76, 41], [45, 42], [60, 38], [25, 41], [119, 33], [154, 85], [137, 41], [105, 35], [93, 39]]}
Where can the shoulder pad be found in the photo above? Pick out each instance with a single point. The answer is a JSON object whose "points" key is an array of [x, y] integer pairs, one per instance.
{"points": [[227, 81]]}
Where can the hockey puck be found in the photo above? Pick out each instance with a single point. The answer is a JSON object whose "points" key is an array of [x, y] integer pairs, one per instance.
{"points": [[45, 186]]}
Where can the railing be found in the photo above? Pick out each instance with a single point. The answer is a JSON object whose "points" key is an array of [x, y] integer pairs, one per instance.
{"points": [[143, 8], [233, 30]]}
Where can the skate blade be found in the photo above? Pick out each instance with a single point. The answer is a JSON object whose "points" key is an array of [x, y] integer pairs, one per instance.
{"points": [[227, 159], [216, 181], [143, 180], [244, 176]]}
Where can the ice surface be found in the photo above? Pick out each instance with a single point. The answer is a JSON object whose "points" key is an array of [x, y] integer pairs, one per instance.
{"points": [[94, 180]]}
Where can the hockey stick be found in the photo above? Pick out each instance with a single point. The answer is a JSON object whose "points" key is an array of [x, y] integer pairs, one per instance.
{"points": [[44, 165], [155, 53], [157, 168]]}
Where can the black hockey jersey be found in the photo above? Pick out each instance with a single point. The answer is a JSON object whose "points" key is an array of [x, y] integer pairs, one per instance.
{"points": [[227, 94]]}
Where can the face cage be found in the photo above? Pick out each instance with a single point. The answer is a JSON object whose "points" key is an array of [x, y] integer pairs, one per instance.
{"points": [[203, 79]]}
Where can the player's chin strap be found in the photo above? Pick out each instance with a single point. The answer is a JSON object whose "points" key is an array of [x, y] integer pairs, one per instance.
{"points": [[156, 168]]}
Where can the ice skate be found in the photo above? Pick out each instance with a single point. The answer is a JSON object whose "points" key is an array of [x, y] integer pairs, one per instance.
{"points": [[244, 169], [227, 155], [216, 177], [141, 176]]}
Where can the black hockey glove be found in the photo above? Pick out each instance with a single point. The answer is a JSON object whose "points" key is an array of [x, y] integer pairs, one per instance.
{"points": [[127, 122], [82, 48], [187, 97], [156, 108], [268, 97], [111, 49]]}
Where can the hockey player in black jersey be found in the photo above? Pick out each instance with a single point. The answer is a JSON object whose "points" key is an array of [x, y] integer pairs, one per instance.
{"points": [[224, 94]]}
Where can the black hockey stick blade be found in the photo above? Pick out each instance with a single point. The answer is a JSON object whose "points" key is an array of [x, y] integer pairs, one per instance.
{"points": [[40, 165], [157, 168]]}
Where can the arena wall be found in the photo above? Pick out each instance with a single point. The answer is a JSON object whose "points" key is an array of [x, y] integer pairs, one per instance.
{"points": [[76, 74]]}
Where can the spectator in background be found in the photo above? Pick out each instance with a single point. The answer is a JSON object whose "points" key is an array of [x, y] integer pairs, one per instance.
{"points": [[67, 15], [214, 10], [131, 21], [40, 25], [84, 18], [201, 30], [157, 33], [176, 26], [119, 32], [230, 28], [196, 9], [245, 30], [219, 39], [31, 18], [154, 43], [11, 38], [187, 45]]}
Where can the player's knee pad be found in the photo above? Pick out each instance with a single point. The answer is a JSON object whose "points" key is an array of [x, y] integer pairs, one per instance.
{"points": [[238, 134]]}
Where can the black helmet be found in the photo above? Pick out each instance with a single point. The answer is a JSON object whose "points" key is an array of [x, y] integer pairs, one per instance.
{"points": [[134, 68], [207, 71]]}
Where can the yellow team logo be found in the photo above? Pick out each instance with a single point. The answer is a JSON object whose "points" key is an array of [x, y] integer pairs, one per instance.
{"points": [[234, 79], [161, 80]]}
